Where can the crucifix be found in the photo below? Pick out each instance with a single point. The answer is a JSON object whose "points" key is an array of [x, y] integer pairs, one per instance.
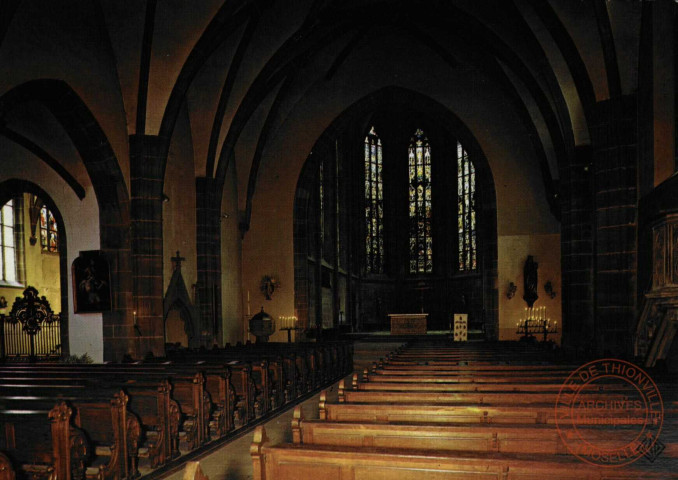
{"points": [[177, 260]]}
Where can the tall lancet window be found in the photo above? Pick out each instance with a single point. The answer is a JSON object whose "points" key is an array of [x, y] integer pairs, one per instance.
{"points": [[49, 235], [466, 211], [421, 241], [374, 204], [8, 271]]}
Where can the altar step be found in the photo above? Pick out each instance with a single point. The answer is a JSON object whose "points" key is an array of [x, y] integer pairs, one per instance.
{"points": [[476, 336]]}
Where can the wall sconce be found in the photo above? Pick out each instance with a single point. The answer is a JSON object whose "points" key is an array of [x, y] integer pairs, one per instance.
{"points": [[510, 293], [548, 288]]}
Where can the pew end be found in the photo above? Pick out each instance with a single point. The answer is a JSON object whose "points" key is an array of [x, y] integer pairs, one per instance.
{"points": [[322, 405], [193, 471], [354, 381], [297, 421], [6, 470], [340, 389], [256, 452]]}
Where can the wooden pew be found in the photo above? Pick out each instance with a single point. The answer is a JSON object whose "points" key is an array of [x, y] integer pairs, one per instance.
{"points": [[463, 412], [149, 400], [43, 444], [6, 469], [474, 369], [260, 376], [528, 439], [413, 395], [441, 413], [459, 379], [193, 471], [299, 362], [114, 431], [407, 384], [292, 462], [187, 389]]}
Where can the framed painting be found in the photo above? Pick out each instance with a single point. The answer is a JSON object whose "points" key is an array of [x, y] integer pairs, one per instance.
{"points": [[91, 282]]}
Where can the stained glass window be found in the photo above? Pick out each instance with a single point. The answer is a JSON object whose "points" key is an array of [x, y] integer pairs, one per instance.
{"points": [[49, 236], [419, 169], [466, 211], [374, 204], [7, 244]]}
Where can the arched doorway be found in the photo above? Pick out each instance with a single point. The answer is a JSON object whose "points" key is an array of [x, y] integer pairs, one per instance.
{"points": [[32, 253], [339, 280]]}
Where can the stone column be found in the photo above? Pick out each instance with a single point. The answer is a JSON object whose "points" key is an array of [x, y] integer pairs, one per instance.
{"points": [[146, 178], [577, 250], [614, 142], [208, 226]]}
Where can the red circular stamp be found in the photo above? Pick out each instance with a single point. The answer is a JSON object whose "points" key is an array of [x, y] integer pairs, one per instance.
{"points": [[609, 413]]}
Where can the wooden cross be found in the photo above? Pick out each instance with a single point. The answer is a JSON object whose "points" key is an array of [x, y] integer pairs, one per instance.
{"points": [[177, 260]]}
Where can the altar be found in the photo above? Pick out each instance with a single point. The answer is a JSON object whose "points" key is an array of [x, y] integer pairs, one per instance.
{"points": [[408, 323]]}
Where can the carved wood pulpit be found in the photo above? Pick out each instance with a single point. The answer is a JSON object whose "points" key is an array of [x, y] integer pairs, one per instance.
{"points": [[659, 318]]}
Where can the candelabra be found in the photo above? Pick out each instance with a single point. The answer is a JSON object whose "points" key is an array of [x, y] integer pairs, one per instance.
{"points": [[535, 321], [288, 324]]}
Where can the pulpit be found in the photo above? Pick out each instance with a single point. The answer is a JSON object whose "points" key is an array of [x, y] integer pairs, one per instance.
{"points": [[408, 323]]}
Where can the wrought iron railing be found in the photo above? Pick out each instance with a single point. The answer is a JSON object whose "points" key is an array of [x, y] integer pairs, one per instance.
{"points": [[31, 330]]}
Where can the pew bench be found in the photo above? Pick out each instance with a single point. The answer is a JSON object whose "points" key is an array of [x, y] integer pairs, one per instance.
{"points": [[413, 395], [504, 438], [113, 431], [43, 444], [429, 378], [330, 462], [187, 389]]}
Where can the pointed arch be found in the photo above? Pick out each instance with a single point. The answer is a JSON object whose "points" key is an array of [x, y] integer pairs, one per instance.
{"points": [[109, 187]]}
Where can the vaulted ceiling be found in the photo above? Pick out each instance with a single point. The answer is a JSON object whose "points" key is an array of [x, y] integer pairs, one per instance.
{"points": [[237, 69]]}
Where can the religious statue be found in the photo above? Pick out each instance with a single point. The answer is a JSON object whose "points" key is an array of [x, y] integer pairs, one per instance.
{"points": [[530, 281], [269, 284]]}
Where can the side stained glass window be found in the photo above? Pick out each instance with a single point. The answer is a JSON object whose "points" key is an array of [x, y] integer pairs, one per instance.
{"points": [[49, 236], [466, 211], [374, 204], [419, 169], [8, 271]]}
